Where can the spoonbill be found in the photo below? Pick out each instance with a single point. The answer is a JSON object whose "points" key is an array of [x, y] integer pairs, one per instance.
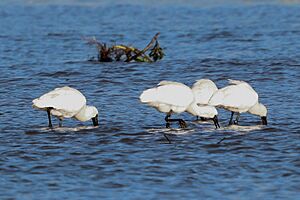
{"points": [[66, 102], [239, 97], [169, 97]]}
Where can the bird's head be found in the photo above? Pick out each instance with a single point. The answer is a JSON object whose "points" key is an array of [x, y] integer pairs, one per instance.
{"points": [[94, 115], [260, 110], [87, 113]]}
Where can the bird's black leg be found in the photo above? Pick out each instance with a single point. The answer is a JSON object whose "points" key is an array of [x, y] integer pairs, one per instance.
{"points": [[236, 121], [60, 122], [203, 119], [167, 119], [168, 125], [230, 121], [49, 117], [181, 122], [216, 121]]}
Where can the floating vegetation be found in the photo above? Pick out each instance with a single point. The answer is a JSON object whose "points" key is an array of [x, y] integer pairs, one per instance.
{"points": [[151, 53]]}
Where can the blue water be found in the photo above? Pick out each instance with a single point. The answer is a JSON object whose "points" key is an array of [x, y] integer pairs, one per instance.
{"points": [[128, 157]]}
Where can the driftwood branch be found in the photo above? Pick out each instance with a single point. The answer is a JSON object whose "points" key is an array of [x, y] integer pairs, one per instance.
{"points": [[127, 53], [154, 39]]}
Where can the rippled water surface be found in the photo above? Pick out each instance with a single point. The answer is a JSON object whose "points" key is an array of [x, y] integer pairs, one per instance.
{"points": [[127, 156]]}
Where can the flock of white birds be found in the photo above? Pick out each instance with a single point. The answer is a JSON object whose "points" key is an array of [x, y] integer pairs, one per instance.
{"points": [[201, 100]]}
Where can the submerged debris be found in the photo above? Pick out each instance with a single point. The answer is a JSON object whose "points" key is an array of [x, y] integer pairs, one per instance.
{"points": [[128, 53]]}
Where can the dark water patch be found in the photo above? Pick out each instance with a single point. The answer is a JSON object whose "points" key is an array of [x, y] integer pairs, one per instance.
{"points": [[58, 34], [114, 185], [58, 74], [129, 69], [104, 81], [210, 60], [47, 147], [9, 80], [38, 167], [13, 153], [93, 60], [53, 185], [128, 141], [71, 62], [188, 35], [29, 158], [237, 63], [239, 149], [250, 40], [33, 132], [217, 35], [11, 169], [274, 129], [4, 36], [19, 39]]}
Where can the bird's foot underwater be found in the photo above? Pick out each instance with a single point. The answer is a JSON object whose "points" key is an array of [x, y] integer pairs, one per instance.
{"points": [[168, 125], [182, 123]]}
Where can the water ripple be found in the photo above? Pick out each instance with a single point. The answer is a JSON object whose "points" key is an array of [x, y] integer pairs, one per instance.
{"points": [[129, 151]]}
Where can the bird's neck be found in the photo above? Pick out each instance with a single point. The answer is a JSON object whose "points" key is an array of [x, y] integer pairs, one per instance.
{"points": [[255, 110], [81, 115]]}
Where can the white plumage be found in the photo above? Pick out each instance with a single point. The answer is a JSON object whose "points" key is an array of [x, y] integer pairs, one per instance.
{"points": [[169, 97], [66, 102], [238, 97], [202, 90], [174, 97]]}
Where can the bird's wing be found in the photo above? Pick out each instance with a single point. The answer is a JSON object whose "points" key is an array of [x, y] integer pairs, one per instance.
{"points": [[175, 94], [235, 96], [168, 92], [207, 111], [66, 100], [149, 96], [217, 98], [203, 90]]}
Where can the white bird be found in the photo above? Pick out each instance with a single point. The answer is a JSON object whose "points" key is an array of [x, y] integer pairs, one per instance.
{"points": [[203, 89], [66, 102], [169, 97], [239, 97]]}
